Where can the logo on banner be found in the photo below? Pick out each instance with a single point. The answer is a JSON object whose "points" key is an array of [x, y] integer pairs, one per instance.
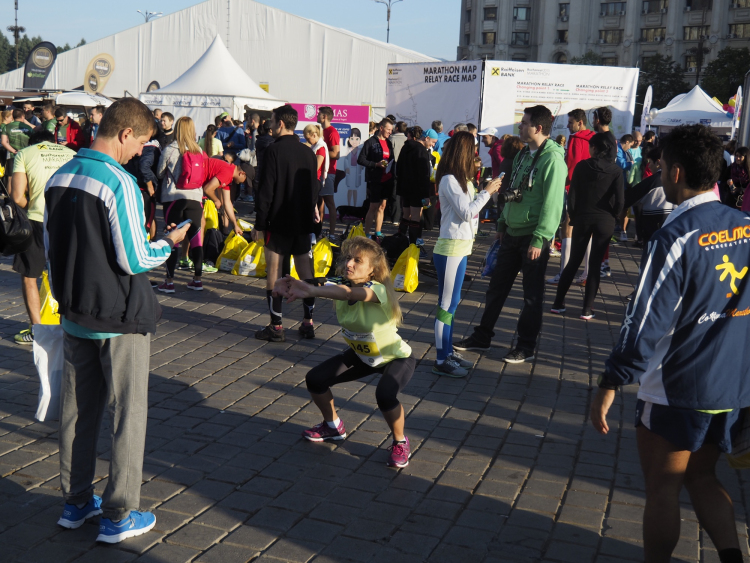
{"points": [[310, 111], [495, 71], [43, 57], [98, 73], [705, 122]]}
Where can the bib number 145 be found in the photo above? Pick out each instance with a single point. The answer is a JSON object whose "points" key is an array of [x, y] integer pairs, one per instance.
{"points": [[364, 345]]}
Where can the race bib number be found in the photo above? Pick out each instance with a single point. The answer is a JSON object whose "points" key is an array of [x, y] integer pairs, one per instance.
{"points": [[363, 344]]}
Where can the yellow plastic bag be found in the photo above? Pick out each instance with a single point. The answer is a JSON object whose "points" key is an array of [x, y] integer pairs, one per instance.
{"points": [[322, 257], [405, 274], [211, 215], [252, 261], [358, 231], [233, 247], [244, 225], [50, 316]]}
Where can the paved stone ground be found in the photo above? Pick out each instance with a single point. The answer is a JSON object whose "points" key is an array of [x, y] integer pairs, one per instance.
{"points": [[505, 468]]}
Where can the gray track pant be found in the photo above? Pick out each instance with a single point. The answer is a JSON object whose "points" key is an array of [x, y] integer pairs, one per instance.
{"points": [[99, 374]]}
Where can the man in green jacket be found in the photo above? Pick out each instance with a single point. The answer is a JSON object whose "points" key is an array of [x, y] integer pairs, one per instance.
{"points": [[526, 229]]}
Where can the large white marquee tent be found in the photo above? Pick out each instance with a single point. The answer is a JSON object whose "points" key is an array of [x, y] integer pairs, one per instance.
{"points": [[301, 60], [214, 84], [695, 107]]}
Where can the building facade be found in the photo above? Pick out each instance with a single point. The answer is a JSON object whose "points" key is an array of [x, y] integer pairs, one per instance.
{"points": [[622, 33]]}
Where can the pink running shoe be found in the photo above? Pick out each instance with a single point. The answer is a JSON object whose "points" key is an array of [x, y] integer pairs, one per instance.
{"points": [[166, 287], [322, 432], [400, 453], [195, 285]]}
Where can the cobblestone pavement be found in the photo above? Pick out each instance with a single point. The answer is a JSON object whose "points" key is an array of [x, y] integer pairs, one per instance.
{"points": [[505, 468]]}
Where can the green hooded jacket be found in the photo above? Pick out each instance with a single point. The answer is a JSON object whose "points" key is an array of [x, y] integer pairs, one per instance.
{"points": [[540, 211]]}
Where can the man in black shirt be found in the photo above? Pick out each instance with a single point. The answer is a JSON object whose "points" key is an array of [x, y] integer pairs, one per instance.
{"points": [[166, 135], [284, 210]]}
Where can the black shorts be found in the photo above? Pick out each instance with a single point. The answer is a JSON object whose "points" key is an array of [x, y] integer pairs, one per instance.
{"points": [[411, 200], [288, 244], [31, 262], [378, 192]]}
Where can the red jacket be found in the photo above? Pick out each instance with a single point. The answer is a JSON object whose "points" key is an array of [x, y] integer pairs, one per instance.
{"points": [[74, 135], [495, 157], [578, 150]]}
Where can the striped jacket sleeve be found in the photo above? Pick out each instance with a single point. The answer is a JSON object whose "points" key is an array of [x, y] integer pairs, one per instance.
{"points": [[652, 314], [135, 254]]}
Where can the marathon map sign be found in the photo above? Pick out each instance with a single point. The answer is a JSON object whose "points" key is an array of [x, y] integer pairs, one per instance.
{"points": [[509, 87], [420, 93]]}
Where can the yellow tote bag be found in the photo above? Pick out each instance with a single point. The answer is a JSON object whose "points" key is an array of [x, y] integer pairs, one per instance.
{"points": [[252, 261], [358, 231], [211, 215], [50, 316], [322, 256], [405, 274], [233, 247]]}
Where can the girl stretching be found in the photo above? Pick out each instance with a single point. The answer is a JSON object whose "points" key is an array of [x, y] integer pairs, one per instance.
{"points": [[369, 314]]}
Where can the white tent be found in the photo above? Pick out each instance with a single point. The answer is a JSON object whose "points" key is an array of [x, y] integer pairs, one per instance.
{"points": [[694, 107], [214, 84], [301, 60]]}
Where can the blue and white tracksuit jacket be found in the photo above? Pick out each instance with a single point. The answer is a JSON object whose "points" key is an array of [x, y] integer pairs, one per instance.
{"points": [[685, 333]]}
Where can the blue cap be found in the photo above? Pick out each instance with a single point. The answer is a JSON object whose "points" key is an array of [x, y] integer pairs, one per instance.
{"points": [[430, 134]]}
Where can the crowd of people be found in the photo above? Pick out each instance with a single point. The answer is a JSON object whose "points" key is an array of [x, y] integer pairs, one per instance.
{"points": [[99, 244]]}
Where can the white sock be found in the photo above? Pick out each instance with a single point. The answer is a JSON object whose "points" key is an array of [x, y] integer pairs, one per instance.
{"points": [[334, 424], [564, 254], [586, 261]]}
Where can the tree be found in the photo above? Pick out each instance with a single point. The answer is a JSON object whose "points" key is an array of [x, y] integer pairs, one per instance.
{"points": [[6, 51], [589, 58], [67, 46], [726, 73], [666, 76]]}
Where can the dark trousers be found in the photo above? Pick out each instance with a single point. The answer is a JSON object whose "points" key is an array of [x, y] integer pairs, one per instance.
{"points": [[393, 205], [600, 234], [511, 259]]}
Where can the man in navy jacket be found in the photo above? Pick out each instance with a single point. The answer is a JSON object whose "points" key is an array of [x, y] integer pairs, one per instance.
{"points": [[684, 338]]}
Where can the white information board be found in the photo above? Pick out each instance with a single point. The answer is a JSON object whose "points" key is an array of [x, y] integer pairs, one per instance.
{"points": [[420, 93], [509, 87]]}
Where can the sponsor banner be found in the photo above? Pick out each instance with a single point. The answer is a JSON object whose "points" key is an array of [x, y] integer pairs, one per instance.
{"points": [[646, 109], [98, 73], [510, 87], [420, 93], [39, 64], [352, 124]]}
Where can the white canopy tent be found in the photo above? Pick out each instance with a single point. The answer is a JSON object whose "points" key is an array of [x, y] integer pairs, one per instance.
{"points": [[214, 84], [694, 107]]}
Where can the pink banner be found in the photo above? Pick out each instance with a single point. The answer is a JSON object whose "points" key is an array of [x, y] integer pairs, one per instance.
{"points": [[341, 114]]}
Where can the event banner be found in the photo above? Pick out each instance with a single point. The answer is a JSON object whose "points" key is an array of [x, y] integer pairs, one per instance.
{"points": [[98, 72], [420, 93], [39, 64], [352, 123], [509, 87]]}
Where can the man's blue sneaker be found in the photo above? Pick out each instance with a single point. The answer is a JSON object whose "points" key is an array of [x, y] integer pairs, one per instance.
{"points": [[134, 525], [74, 517]]}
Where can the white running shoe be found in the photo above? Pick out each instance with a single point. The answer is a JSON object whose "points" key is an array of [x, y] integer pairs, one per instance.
{"points": [[554, 281]]}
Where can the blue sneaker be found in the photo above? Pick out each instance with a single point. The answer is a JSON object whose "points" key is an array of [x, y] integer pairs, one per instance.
{"points": [[134, 525], [74, 517]]}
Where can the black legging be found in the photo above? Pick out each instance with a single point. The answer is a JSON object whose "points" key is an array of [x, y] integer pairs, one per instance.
{"points": [[348, 367], [600, 233], [176, 212]]}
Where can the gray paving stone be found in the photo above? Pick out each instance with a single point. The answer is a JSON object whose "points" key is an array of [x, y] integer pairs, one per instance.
{"points": [[505, 465]]}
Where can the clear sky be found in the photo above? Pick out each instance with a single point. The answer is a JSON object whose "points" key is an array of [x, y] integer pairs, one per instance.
{"points": [[427, 26]]}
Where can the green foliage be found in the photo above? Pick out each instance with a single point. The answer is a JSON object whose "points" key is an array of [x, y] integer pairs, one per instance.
{"points": [[589, 58], [726, 73], [6, 48], [67, 46], [666, 76]]}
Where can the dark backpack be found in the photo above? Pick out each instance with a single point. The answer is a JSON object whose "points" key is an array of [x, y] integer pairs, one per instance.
{"points": [[213, 243], [394, 246], [15, 228]]}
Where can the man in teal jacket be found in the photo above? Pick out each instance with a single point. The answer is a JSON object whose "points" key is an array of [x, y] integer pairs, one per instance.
{"points": [[526, 229]]}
